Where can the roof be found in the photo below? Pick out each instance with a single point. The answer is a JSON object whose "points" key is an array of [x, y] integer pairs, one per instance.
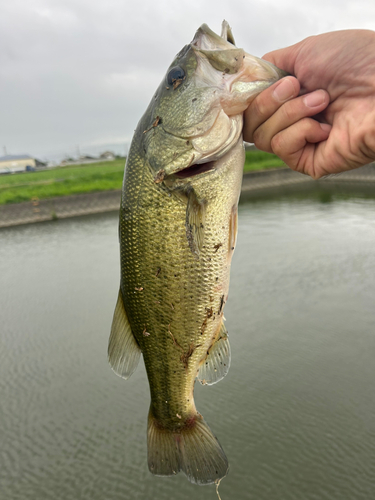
{"points": [[15, 157]]}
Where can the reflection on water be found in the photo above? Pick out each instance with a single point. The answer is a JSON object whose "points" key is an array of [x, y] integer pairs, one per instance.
{"points": [[296, 413]]}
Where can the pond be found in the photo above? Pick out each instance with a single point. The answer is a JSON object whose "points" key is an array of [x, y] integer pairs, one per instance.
{"points": [[296, 413]]}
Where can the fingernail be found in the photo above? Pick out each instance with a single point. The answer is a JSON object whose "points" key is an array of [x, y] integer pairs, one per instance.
{"points": [[315, 99], [284, 91], [325, 126]]}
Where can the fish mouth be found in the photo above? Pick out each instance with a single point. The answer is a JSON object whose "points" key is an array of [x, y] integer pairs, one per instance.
{"points": [[195, 169], [239, 75]]}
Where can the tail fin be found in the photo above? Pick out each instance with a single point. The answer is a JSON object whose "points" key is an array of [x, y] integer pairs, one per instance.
{"points": [[192, 449]]}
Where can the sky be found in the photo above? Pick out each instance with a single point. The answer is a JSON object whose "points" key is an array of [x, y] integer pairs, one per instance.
{"points": [[77, 75]]}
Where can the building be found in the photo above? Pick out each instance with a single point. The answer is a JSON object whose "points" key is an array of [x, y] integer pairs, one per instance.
{"points": [[107, 155], [16, 163]]}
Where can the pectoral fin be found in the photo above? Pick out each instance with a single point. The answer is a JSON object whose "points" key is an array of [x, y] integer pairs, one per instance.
{"points": [[217, 363], [195, 222], [123, 350]]}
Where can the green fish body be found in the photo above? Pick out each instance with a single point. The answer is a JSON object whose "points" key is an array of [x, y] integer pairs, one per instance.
{"points": [[178, 226]]}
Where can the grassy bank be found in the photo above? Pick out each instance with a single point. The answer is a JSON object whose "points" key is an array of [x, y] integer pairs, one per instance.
{"points": [[258, 160], [89, 178], [61, 181]]}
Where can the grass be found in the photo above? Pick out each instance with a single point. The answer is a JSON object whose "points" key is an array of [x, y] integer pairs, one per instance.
{"points": [[81, 179], [258, 160], [61, 181]]}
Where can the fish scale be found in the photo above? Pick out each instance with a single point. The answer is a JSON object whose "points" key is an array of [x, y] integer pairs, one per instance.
{"points": [[198, 285]]}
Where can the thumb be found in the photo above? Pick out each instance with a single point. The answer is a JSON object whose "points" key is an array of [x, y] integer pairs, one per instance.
{"points": [[284, 58]]}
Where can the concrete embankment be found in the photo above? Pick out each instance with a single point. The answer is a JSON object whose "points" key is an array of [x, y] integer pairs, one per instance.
{"points": [[59, 208], [267, 179], [109, 201]]}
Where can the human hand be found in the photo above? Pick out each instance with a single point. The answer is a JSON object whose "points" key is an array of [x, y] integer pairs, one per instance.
{"points": [[335, 84]]}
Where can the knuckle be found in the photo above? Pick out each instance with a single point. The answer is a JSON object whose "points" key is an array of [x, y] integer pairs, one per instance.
{"points": [[258, 138], [289, 112], [366, 143], [277, 144], [260, 107], [308, 125]]}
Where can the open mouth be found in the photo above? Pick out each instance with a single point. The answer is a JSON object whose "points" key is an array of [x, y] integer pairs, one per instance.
{"points": [[194, 170]]}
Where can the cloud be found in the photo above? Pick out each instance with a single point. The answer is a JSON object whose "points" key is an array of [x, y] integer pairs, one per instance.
{"points": [[75, 72]]}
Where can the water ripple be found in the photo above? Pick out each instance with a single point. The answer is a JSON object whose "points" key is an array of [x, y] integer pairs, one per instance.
{"points": [[296, 413]]}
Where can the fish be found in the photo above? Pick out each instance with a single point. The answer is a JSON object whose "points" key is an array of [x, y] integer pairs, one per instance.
{"points": [[177, 232]]}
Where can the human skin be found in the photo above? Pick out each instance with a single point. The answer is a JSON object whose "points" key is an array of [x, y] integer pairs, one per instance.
{"points": [[321, 120]]}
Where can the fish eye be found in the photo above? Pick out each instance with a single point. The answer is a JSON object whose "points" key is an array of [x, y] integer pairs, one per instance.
{"points": [[176, 74]]}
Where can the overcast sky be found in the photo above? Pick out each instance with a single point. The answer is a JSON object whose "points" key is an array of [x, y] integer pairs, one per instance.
{"points": [[81, 72]]}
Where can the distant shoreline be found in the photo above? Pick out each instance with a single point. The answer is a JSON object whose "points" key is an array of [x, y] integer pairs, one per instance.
{"points": [[109, 201]]}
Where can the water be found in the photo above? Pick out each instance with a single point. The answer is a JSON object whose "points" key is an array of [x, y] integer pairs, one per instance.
{"points": [[295, 415]]}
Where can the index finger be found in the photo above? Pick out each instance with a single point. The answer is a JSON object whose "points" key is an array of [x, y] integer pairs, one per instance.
{"points": [[267, 103]]}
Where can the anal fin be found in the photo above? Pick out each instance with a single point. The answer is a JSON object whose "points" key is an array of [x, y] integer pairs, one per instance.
{"points": [[123, 350], [217, 363]]}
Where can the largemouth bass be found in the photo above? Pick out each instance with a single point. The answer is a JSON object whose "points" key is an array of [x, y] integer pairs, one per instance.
{"points": [[178, 226]]}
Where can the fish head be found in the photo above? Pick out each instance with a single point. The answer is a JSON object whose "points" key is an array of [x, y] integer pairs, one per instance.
{"points": [[196, 115]]}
